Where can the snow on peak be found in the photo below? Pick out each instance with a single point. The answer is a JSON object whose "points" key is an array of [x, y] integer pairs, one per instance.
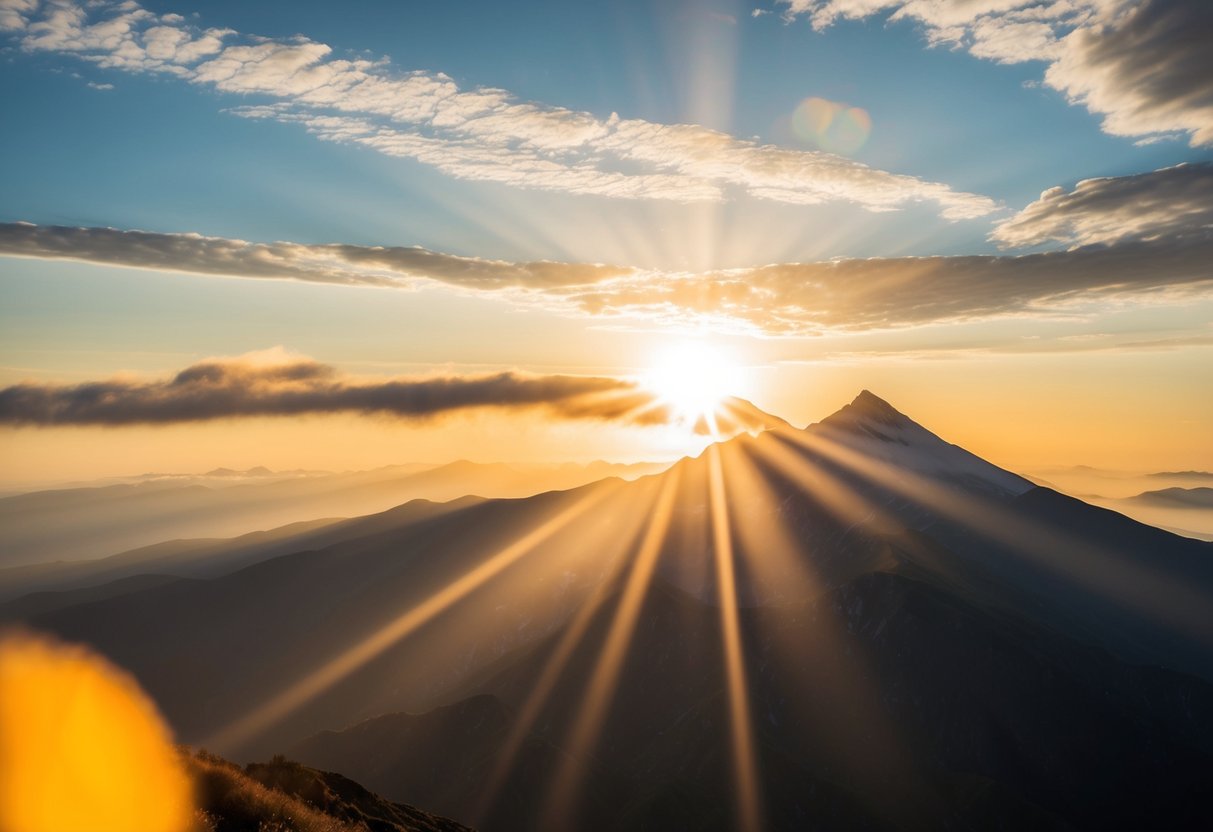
{"points": [[874, 428], [872, 405]]}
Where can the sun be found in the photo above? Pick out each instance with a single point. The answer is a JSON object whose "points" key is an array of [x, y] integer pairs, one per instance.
{"points": [[693, 379]]}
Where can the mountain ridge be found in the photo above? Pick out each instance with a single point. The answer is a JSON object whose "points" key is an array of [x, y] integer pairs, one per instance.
{"points": [[826, 529]]}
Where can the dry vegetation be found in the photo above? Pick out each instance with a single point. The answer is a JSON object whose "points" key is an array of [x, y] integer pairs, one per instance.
{"points": [[284, 796], [232, 801]]}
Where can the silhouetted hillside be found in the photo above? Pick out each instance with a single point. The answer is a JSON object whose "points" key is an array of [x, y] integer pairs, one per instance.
{"points": [[287, 797]]}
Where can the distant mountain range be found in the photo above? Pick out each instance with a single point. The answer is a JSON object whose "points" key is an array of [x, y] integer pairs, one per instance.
{"points": [[1173, 500], [90, 521], [876, 627], [1201, 497]]}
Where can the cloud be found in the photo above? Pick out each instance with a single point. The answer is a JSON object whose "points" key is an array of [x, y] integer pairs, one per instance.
{"points": [[1033, 345], [390, 266], [477, 134], [888, 293], [1008, 31], [1169, 202], [1149, 69], [279, 384], [15, 14], [1145, 66], [777, 299]]}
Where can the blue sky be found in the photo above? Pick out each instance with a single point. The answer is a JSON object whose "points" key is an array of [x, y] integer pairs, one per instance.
{"points": [[159, 153], [1020, 211]]}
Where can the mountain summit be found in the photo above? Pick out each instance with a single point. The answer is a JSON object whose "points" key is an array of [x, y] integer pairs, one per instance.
{"points": [[872, 406], [875, 429]]}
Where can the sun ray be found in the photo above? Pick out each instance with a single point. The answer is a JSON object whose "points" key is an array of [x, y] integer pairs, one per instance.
{"points": [[601, 687], [869, 747], [342, 665], [745, 762], [570, 639], [845, 503], [1145, 590], [775, 564]]}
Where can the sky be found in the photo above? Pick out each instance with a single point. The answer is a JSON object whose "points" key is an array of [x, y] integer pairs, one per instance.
{"points": [[996, 214]]}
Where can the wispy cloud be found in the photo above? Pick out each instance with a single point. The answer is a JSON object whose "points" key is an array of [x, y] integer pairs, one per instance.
{"points": [[1168, 202], [778, 299], [887, 293], [977, 349], [275, 383], [1145, 66], [477, 134], [389, 266]]}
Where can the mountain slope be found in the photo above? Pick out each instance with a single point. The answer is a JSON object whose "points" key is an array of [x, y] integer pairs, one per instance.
{"points": [[940, 714], [91, 522], [926, 641], [207, 558]]}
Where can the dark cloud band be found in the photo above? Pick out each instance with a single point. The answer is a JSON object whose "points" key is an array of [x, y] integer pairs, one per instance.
{"points": [[230, 388], [394, 266], [782, 299]]}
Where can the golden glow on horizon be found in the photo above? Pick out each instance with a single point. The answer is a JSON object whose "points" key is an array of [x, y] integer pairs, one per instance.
{"points": [[82, 747], [693, 378]]}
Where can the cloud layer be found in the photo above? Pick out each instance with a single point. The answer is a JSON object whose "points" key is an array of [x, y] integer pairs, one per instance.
{"points": [[253, 386], [1150, 252], [392, 266], [1145, 66], [886, 293], [478, 134], [1171, 202]]}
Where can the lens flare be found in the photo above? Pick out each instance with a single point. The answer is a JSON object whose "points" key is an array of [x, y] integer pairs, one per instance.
{"points": [[831, 125], [81, 746]]}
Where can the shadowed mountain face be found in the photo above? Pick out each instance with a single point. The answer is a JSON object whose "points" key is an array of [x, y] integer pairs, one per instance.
{"points": [[857, 625]]}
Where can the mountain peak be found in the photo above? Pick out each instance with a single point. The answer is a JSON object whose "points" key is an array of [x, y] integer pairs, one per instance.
{"points": [[869, 404], [880, 432]]}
